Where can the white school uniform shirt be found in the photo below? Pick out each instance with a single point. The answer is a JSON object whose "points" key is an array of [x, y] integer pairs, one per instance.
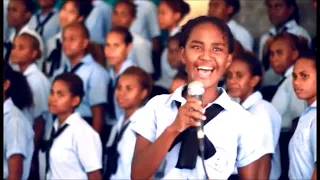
{"points": [[146, 22], [50, 28], [29, 30], [292, 27], [270, 120], [141, 53], [167, 72], [6, 28], [98, 21], [241, 34], [95, 84], [18, 138], [125, 146], [119, 112], [76, 151], [303, 145], [287, 103], [234, 133]]}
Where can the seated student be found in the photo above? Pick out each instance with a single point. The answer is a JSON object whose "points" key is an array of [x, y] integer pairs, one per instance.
{"points": [[226, 10], [132, 91], [285, 17], [19, 14], [232, 137], [17, 131], [170, 13], [75, 40], [117, 47], [25, 52], [46, 20], [74, 150], [303, 144], [98, 21], [180, 79], [124, 13], [243, 80]]}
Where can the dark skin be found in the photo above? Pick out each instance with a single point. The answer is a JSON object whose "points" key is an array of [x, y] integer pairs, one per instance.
{"points": [[314, 174], [264, 167], [15, 167]]}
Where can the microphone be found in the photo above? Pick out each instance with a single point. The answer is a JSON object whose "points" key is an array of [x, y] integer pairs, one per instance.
{"points": [[196, 89]]}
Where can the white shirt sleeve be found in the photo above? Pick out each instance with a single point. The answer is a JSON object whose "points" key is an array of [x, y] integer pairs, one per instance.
{"points": [[313, 139], [143, 53], [145, 125], [89, 149], [152, 22], [98, 86]]}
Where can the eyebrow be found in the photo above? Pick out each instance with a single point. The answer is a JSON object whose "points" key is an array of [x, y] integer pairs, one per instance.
{"points": [[214, 44]]}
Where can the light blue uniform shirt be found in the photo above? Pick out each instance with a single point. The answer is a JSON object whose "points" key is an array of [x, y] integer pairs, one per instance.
{"points": [[234, 133], [50, 28], [18, 138], [287, 103], [5, 22], [146, 22], [119, 112], [270, 121], [303, 145], [98, 21], [95, 83], [241, 34]]}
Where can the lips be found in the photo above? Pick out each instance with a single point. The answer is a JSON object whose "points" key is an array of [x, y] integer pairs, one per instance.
{"points": [[204, 72]]}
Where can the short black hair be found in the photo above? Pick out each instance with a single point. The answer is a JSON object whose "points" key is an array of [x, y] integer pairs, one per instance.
{"points": [[254, 64], [176, 37], [84, 6], [81, 26], [308, 54], [35, 44], [125, 32], [179, 6], [191, 24], [181, 75], [132, 6], [295, 14], [236, 6], [29, 5], [74, 83]]}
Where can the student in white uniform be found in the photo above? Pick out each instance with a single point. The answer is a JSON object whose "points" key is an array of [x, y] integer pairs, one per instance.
{"points": [[284, 16], [116, 50], [243, 80], [71, 11], [75, 40], [170, 13], [74, 150], [180, 79], [132, 91], [46, 20], [231, 138], [226, 10], [98, 21], [17, 131], [124, 13], [303, 144], [19, 14]]}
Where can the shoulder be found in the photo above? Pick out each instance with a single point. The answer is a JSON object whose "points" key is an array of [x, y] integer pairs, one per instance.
{"points": [[17, 119], [139, 40], [145, 5], [81, 128], [240, 29]]}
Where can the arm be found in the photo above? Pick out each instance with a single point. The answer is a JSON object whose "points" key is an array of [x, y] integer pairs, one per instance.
{"points": [[38, 128], [314, 174], [264, 167], [94, 175], [15, 167], [249, 171], [97, 117]]}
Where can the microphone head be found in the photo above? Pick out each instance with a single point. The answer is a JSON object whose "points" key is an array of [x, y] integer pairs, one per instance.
{"points": [[195, 88]]}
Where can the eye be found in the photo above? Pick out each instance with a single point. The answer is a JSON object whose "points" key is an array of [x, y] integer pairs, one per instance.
{"points": [[196, 47], [294, 76], [217, 49], [304, 76]]}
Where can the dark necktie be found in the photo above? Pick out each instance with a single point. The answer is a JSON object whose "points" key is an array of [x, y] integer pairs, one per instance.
{"points": [[40, 25], [8, 46], [46, 145], [74, 69], [269, 91], [189, 141], [110, 107], [55, 59]]}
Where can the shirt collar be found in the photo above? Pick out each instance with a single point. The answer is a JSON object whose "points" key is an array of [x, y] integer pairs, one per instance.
{"points": [[25, 29], [31, 69], [223, 99], [87, 59], [127, 63], [54, 10], [288, 71], [70, 120], [175, 31], [7, 105], [231, 24], [289, 25], [251, 100], [312, 106]]}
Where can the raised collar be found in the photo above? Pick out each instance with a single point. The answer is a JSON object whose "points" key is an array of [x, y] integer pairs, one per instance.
{"points": [[289, 25], [175, 31], [31, 69], [87, 59], [231, 23], [223, 99], [251, 100], [7, 105], [312, 106], [127, 63], [288, 71], [72, 119]]}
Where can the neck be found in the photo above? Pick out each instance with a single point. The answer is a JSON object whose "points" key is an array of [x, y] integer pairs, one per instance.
{"points": [[311, 100], [209, 95], [23, 67], [172, 28], [244, 97], [46, 10], [76, 59], [63, 117], [129, 112], [18, 28], [116, 68]]}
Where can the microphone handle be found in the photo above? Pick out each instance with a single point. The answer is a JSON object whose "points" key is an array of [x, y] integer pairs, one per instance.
{"points": [[200, 132]]}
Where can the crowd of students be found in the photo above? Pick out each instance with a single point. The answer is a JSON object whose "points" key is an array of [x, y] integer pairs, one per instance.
{"points": [[94, 91]]}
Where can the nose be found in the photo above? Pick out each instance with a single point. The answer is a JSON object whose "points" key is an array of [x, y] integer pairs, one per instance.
{"points": [[206, 55]]}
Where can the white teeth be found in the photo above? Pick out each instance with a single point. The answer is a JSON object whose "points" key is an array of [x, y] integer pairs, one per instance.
{"points": [[205, 68]]}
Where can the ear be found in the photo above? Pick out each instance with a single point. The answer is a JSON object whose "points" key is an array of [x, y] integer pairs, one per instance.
{"points": [[229, 60], [177, 16], [75, 101], [6, 85], [254, 81], [144, 94], [295, 55], [182, 56], [86, 43], [230, 10], [291, 9], [129, 46], [80, 19], [35, 54]]}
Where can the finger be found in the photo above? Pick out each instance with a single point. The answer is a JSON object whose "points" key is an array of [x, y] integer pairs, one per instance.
{"points": [[195, 115], [194, 106], [193, 100]]}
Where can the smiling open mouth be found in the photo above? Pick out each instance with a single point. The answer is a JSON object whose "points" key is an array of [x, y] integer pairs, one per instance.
{"points": [[204, 71]]}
